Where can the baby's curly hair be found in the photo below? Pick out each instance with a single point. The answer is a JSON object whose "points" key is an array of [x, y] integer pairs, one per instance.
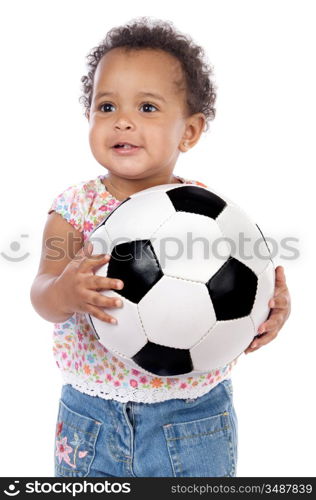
{"points": [[141, 33]]}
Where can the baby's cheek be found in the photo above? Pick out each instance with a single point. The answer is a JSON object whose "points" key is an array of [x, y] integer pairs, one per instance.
{"points": [[97, 143]]}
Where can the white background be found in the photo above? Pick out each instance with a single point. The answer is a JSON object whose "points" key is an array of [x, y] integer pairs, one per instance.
{"points": [[259, 152]]}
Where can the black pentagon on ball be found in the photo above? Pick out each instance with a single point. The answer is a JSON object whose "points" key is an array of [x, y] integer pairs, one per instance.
{"points": [[136, 264], [232, 290], [196, 200], [163, 360]]}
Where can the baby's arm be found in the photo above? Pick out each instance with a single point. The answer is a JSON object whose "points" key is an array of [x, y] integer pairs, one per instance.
{"points": [[65, 282]]}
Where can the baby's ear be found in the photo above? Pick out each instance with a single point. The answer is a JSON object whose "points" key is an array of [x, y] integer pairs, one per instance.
{"points": [[88, 115]]}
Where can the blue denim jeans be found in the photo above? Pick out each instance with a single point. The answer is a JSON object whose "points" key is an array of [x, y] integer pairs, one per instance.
{"points": [[96, 437]]}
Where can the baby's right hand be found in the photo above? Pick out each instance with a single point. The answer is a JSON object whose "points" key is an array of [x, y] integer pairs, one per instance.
{"points": [[79, 285]]}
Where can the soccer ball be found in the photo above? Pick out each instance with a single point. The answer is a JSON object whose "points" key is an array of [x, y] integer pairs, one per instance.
{"points": [[198, 276]]}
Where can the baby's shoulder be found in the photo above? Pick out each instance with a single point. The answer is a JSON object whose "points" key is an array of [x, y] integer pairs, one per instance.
{"points": [[79, 200], [87, 191], [84, 188]]}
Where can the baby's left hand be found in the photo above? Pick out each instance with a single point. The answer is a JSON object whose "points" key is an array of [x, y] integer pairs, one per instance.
{"points": [[280, 310]]}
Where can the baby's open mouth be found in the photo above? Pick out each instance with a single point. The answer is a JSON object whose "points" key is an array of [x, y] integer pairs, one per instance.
{"points": [[125, 145]]}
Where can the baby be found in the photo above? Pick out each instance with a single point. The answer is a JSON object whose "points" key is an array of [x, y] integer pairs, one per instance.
{"points": [[148, 96]]}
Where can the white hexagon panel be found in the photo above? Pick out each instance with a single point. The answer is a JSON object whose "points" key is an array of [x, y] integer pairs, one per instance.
{"points": [[190, 246], [101, 242], [246, 241], [126, 337], [265, 292], [132, 222], [171, 308], [222, 344]]}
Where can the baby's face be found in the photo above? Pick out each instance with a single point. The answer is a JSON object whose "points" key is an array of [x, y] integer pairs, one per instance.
{"points": [[155, 124]]}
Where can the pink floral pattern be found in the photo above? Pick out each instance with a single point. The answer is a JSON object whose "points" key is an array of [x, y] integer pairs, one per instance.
{"points": [[76, 350], [63, 449]]}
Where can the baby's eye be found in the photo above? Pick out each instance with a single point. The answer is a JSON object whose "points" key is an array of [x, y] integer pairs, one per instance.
{"points": [[148, 104], [105, 104]]}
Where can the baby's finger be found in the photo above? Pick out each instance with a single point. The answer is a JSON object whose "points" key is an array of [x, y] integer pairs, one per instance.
{"points": [[271, 324], [84, 251], [98, 313], [261, 341], [101, 283], [279, 302], [278, 315], [279, 276], [93, 262], [97, 299]]}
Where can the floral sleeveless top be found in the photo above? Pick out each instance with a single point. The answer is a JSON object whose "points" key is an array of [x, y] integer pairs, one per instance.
{"points": [[84, 362]]}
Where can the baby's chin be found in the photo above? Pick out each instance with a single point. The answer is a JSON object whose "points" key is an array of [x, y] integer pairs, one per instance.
{"points": [[131, 172]]}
